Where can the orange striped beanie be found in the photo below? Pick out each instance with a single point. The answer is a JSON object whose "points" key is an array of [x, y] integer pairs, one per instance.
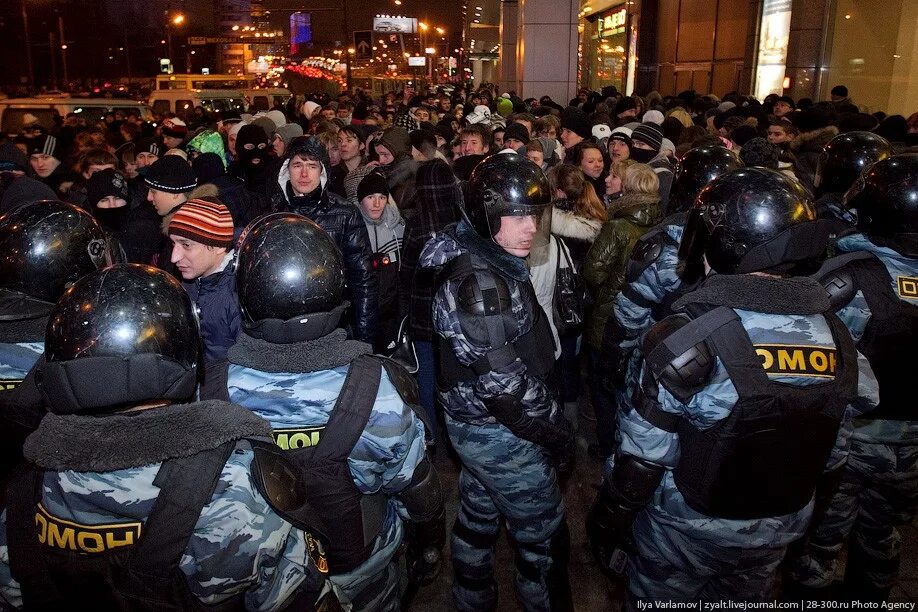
{"points": [[206, 221]]}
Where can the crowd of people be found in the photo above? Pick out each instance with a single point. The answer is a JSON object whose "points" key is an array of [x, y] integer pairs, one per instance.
{"points": [[229, 345]]}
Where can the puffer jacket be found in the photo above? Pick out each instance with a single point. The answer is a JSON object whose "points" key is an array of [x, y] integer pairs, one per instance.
{"points": [[807, 148], [218, 308], [630, 217], [343, 223]]}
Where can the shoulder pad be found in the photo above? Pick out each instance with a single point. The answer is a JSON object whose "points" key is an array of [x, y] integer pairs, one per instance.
{"points": [[682, 375], [484, 293], [646, 251], [840, 286], [277, 478]]}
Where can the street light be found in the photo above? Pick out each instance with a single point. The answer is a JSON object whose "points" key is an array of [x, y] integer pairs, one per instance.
{"points": [[176, 20]]}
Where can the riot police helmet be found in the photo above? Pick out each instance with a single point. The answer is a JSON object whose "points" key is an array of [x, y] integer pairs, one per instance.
{"points": [[845, 157], [755, 220], [290, 280], [46, 246], [698, 167], [885, 199], [120, 337], [507, 185]]}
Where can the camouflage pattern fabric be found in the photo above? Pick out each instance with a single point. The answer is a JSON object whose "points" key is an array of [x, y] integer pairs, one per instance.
{"points": [[239, 544], [17, 359], [503, 478], [681, 553], [383, 460], [879, 487]]}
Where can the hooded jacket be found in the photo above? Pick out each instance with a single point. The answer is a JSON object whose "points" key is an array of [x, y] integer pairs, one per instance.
{"points": [[604, 270], [401, 172], [344, 224], [578, 232], [386, 235]]}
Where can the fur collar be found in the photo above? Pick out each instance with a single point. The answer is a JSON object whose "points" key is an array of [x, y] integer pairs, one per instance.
{"points": [[325, 353], [568, 225], [815, 140], [105, 443]]}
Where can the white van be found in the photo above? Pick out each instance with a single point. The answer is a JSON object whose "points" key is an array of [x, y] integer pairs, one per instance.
{"points": [[181, 101], [12, 110]]}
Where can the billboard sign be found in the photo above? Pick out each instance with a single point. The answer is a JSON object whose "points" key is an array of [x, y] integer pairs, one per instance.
{"points": [[395, 25]]}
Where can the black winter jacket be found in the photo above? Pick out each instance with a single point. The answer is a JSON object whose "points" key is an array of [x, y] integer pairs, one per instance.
{"points": [[344, 224], [218, 309], [244, 205]]}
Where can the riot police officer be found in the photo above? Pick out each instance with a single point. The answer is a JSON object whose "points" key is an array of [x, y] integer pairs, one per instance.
{"points": [[346, 423], [873, 284], [44, 247], [495, 351], [840, 164], [740, 399], [131, 499], [654, 278]]}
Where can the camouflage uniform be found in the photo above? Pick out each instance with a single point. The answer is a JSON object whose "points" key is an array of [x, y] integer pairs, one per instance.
{"points": [[879, 485], [239, 544], [682, 553], [652, 286], [383, 460], [503, 476]]}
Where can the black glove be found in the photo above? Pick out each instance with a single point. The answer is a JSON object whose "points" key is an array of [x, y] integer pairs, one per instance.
{"points": [[423, 555], [509, 412]]}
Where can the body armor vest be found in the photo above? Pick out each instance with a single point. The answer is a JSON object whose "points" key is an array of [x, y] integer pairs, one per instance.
{"points": [[891, 334], [766, 457], [134, 568], [536, 348]]}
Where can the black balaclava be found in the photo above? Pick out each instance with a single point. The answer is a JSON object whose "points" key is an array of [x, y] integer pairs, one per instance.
{"points": [[252, 148]]}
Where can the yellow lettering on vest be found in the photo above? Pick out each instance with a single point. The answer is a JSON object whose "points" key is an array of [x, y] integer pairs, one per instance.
{"points": [[819, 361], [42, 524], [300, 440], [282, 440], [790, 361], [113, 541], [832, 362], [767, 359], [90, 542], [9, 385], [61, 537]]}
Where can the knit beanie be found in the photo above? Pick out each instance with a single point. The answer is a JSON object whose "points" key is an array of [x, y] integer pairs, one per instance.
{"points": [[175, 128], [653, 116], [374, 182], [504, 107], [601, 131], [575, 120], [309, 108], [760, 152], [234, 130], [46, 144], [398, 142], [288, 132], [517, 131], [148, 145], [207, 167], [171, 174], [650, 134], [743, 134], [105, 183], [206, 221]]}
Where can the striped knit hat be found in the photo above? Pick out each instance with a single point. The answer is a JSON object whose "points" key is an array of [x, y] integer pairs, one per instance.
{"points": [[204, 220], [45, 144]]}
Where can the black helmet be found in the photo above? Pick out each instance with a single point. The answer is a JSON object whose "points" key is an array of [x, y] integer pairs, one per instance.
{"points": [[506, 185], [886, 201], [845, 157], [753, 220], [697, 168], [46, 246], [120, 336], [290, 280]]}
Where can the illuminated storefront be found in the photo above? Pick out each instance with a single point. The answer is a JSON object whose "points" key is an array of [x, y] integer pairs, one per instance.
{"points": [[606, 49]]}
